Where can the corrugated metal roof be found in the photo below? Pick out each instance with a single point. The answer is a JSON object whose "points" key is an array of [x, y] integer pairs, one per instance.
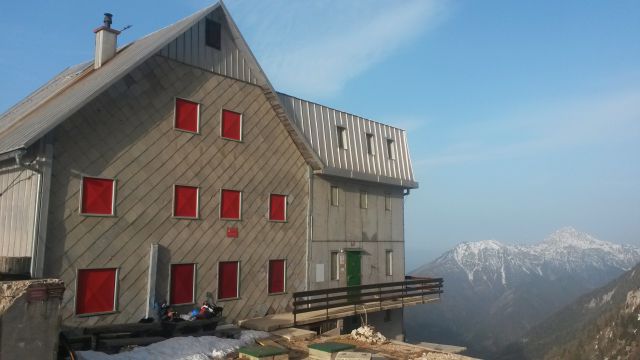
{"points": [[32, 118], [358, 159]]}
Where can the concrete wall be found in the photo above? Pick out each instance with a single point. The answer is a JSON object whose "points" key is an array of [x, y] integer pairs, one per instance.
{"points": [[389, 323], [127, 133], [375, 230], [29, 325]]}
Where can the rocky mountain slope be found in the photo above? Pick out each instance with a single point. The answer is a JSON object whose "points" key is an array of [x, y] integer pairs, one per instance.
{"points": [[604, 323], [494, 293]]}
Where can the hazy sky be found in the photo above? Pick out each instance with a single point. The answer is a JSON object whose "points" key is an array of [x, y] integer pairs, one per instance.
{"points": [[522, 116]]}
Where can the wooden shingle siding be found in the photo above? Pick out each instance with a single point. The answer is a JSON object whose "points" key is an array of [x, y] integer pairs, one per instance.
{"points": [[18, 199], [127, 133]]}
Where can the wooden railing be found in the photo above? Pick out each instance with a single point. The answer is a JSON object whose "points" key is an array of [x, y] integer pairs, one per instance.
{"points": [[315, 300]]}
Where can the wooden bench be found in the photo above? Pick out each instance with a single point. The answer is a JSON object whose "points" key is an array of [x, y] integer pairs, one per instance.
{"points": [[191, 327]]}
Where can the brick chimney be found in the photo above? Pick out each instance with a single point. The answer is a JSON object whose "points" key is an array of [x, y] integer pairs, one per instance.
{"points": [[106, 42]]}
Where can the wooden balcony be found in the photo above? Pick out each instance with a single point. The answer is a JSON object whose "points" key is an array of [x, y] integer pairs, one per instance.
{"points": [[320, 305]]}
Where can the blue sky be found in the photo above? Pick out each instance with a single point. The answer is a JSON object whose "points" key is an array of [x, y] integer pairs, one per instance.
{"points": [[522, 117]]}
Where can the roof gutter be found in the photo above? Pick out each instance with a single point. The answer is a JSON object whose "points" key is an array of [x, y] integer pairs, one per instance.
{"points": [[10, 154], [18, 156]]}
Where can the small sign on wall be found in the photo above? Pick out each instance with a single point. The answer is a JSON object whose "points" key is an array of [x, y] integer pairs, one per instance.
{"points": [[319, 272], [232, 232]]}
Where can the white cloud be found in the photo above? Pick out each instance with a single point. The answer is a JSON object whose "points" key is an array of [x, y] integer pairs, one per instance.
{"points": [[606, 118], [329, 43]]}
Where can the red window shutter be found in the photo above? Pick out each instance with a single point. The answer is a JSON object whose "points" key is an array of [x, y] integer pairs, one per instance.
{"points": [[228, 280], [277, 207], [186, 116], [231, 125], [185, 201], [97, 196], [276, 276], [182, 276], [230, 204], [95, 291]]}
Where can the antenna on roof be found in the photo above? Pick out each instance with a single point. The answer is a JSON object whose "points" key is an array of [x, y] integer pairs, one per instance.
{"points": [[125, 28]]}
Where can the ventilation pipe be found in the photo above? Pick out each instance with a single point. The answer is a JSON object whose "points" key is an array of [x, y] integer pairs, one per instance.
{"points": [[106, 42]]}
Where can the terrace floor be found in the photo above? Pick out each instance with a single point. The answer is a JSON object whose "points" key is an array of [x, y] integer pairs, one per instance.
{"points": [[285, 320]]}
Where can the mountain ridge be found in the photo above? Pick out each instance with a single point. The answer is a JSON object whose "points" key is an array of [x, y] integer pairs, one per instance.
{"points": [[495, 292]]}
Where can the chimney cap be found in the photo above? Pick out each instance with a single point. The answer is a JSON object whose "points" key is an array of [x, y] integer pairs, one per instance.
{"points": [[107, 21]]}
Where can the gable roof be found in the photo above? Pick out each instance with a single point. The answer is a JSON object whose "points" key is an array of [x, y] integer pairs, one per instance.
{"points": [[40, 112]]}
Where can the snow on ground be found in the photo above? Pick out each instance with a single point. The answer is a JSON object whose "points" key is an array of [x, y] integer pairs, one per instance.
{"points": [[182, 348]]}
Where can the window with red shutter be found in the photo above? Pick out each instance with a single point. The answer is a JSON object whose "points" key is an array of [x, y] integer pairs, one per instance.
{"points": [[277, 207], [96, 291], [97, 196], [181, 290], [230, 204], [185, 201], [276, 276], [228, 278], [231, 125], [187, 116]]}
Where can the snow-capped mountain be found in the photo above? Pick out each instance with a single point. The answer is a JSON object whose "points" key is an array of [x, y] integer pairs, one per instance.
{"points": [[566, 250], [495, 292]]}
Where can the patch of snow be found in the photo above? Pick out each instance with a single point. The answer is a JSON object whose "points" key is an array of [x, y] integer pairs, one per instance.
{"points": [[601, 301], [368, 334], [633, 300], [182, 348]]}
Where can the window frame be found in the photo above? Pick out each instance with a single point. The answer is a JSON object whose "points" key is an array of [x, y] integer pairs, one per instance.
{"points": [[116, 290], [113, 196], [286, 208], [217, 46], [387, 201], [173, 203], [334, 265], [333, 188], [241, 125], [195, 276], [388, 262], [391, 149], [370, 139], [239, 205], [284, 275], [342, 137], [364, 195], [175, 113], [237, 297]]}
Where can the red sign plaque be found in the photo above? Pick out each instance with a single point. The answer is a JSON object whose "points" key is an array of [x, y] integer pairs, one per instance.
{"points": [[232, 232]]}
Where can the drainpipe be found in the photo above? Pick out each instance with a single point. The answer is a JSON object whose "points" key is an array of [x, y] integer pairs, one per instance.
{"points": [[309, 229]]}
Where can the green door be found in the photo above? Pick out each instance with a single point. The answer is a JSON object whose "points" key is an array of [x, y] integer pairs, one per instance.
{"points": [[353, 268]]}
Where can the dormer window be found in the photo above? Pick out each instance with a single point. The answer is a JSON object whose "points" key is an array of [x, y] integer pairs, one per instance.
{"points": [[213, 34], [370, 148], [342, 137], [391, 149]]}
